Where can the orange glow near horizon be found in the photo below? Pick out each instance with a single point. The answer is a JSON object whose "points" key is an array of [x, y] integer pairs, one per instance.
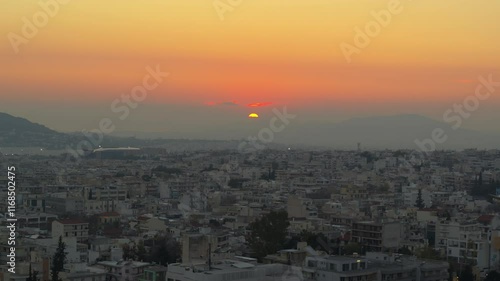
{"points": [[276, 53], [259, 104]]}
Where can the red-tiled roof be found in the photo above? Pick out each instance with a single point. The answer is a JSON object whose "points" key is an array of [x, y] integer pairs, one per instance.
{"points": [[109, 214], [485, 219], [346, 237]]}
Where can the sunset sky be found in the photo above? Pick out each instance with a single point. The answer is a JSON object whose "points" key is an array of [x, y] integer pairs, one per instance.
{"points": [[266, 53]]}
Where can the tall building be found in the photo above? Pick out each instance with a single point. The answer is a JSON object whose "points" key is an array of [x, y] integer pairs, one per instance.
{"points": [[377, 236], [71, 228]]}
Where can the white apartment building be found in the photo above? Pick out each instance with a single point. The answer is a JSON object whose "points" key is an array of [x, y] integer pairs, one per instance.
{"points": [[373, 267], [464, 242], [71, 228]]}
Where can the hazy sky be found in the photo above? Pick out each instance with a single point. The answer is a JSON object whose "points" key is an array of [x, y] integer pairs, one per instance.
{"points": [[273, 52]]}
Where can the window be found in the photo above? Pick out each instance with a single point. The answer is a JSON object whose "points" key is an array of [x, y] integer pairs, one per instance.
{"points": [[345, 267]]}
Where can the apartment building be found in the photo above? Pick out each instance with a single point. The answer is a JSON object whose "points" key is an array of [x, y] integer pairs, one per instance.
{"points": [[377, 236], [338, 268], [464, 242], [71, 228], [124, 270], [374, 267]]}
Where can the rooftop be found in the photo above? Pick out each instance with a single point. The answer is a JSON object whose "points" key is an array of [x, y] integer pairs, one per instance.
{"points": [[123, 263], [71, 221]]}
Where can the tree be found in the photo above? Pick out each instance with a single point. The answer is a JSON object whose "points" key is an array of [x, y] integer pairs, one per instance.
{"points": [[267, 234], [93, 224], [32, 275], [237, 183], [128, 252], [420, 202], [467, 274], [165, 250], [492, 276], [428, 253], [58, 260], [351, 248], [313, 239], [405, 251], [141, 251]]}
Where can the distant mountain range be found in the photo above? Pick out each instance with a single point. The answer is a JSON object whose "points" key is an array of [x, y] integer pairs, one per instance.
{"points": [[379, 132], [20, 132], [394, 132], [10, 124]]}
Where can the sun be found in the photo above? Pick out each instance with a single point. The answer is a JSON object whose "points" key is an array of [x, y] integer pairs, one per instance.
{"points": [[253, 115]]}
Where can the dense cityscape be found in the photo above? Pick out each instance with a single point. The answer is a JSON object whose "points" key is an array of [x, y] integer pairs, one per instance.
{"points": [[149, 214]]}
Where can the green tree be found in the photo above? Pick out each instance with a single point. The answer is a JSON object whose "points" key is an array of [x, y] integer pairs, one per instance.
{"points": [[58, 260], [351, 248], [237, 183], [405, 251], [492, 276], [467, 274], [32, 275], [165, 250], [313, 239], [141, 251], [128, 252], [268, 234], [420, 202], [428, 253]]}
